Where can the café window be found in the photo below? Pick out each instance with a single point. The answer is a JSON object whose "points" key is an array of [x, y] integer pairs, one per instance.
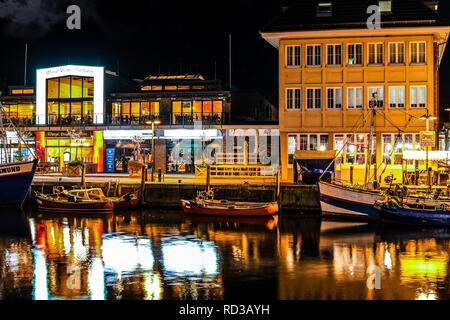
{"points": [[353, 148], [187, 111], [306, 142], [394, 145]]}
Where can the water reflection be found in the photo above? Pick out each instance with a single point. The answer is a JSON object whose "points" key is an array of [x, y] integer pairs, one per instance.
{"points": [[155, 255]]}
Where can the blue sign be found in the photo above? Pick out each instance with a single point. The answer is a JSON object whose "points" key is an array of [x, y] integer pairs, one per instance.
{"points": [[110, 160]]}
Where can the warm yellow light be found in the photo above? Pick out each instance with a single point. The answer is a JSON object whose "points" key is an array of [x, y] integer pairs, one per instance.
{"points": [[153, 122]]}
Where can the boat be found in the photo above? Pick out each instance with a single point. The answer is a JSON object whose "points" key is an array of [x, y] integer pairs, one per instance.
{"points": [[73, 201], [15, 176], [127, 201], [204, 204], [394, 210]]}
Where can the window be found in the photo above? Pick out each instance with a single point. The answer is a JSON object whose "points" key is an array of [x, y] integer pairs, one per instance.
{"points": [[397, 97], [385, 5], [375, 53], [314, 55], [418, 52], [380, 96], [334, 98], [355, 54], [396, 53], [293, 99], [334, 54], [354, 98], [306, 142], [293, 56], [418, 97], [314, 98], [395, 144], [356, 148], [324, 9]]}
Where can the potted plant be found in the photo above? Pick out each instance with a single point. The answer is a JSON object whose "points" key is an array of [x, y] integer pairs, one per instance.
{"points": [[74, 168]]}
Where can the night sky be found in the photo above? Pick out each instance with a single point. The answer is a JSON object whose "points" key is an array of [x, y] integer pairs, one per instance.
{"points": [[150, 37]]}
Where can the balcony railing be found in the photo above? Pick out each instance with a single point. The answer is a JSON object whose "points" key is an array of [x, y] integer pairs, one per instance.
{"points": [[122, 120]]}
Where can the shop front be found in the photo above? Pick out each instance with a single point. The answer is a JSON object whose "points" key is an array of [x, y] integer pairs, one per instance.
{"points": [[56, 149]]}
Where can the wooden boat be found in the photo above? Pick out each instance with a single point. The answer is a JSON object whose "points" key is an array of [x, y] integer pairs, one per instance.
{"points": [[127, 201], [204, 204], [393, 210], [75, 201]]}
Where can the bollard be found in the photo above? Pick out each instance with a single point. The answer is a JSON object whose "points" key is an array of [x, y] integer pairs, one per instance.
{"points": [[159, 174], [143, 179], [83, 174], [351, 175], [208, 178]]}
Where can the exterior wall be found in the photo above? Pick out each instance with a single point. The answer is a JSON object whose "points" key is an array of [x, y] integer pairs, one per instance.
{"points": [[344, 120]]}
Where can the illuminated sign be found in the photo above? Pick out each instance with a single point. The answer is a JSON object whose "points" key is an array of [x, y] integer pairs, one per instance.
{"points": [[81, 71], [422, 155], [127, 134], [191, 134], [427, 139]]}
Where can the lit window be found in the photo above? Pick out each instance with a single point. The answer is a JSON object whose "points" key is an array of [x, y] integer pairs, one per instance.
{"points": [[324, 9], [418, 52], [355, 54], [354, 98], [397, 97], [418, 97], [396, 52]]}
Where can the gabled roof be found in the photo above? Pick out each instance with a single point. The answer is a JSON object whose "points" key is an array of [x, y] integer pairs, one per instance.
{"points": [[347, 14]]}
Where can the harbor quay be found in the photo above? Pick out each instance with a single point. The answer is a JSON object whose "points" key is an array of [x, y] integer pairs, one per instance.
{"points": [[167, 194]]}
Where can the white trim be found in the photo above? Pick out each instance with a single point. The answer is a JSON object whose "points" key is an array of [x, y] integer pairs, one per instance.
{"points": [[293, 65], [70, 70]]}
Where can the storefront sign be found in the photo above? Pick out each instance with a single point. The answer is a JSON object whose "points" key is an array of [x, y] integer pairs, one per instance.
{"points": [[65, 134], [427, 139], [127, 134], [110, 160]]}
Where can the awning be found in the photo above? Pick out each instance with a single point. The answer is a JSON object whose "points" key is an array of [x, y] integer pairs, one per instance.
{"points": [[422, 155], [309, 155]]}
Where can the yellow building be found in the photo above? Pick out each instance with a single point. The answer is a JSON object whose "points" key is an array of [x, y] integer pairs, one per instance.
{"points": [[331, 63]]}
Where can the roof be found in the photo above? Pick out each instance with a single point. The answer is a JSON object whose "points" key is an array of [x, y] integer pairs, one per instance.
{"points": [[347, 14]]}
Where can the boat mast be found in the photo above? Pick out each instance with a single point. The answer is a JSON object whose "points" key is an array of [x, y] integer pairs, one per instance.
{"points": [[3, 134], [372, 106]]}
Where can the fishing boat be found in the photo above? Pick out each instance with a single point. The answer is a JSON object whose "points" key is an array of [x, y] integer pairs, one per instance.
{"points": [[394, 210], [204, 204], [73, 201], [127, 201], [15, 176]]}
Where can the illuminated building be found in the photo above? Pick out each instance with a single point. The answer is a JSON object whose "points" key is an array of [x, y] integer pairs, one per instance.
{"points": [[331, 63], [107, 114]]}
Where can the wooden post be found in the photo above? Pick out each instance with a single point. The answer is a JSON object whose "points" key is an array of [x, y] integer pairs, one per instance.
{"points": [[208, 178], [143, 179], [159, 174], [351, 175], [277, 189], [83, 174]]}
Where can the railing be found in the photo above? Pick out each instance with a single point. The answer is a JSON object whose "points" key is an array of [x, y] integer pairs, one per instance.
{"points": [[119, 120]]}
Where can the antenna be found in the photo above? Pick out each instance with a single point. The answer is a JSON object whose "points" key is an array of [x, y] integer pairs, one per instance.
{"points": [[25, 72], [229, 42]]}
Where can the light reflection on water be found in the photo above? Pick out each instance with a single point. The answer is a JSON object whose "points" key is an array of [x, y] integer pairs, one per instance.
{"points": [[156, 255]]}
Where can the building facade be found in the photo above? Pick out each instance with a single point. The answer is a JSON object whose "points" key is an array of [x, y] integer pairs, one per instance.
{"points": [[85, 113], [330, 66]]}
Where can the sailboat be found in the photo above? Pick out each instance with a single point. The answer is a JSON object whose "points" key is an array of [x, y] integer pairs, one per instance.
{"points": [[15, 176], [352, 201]]}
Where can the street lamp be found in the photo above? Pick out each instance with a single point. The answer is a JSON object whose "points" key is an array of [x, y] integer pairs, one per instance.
{"points": [[153, 122]]}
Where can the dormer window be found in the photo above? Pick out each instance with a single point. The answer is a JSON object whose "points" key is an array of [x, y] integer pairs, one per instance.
{"points": [[324, 9], [385, 6]]}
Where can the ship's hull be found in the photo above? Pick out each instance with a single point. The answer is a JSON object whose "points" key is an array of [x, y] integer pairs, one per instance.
{"points": [[46, 204], [15, 182], [339, 201], [407, 216], [190, 207]]}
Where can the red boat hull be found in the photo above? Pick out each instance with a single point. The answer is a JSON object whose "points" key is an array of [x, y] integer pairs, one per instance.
{"points": [[194, 209], [66, 206]]}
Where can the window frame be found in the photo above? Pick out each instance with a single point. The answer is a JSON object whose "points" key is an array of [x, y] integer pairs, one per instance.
{"points": [[396, 97], [397, 43], [293, 65], [334, 98], [334, 45], [369, 96], [375, 53], [314, 56], [362, 98], [417, 53], [418, 97], [355, 54], [314, 108], [294, 100]]}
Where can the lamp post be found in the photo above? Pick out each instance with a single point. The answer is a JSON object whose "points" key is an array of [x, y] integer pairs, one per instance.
{"points": [[428, 117], [153, 122]]}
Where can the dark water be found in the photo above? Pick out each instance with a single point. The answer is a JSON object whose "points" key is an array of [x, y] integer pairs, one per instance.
{"points": [[164, 255]]}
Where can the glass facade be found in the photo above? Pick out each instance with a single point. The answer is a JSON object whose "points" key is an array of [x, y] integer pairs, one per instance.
{"points": [[185, 112], [70, 100]]}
